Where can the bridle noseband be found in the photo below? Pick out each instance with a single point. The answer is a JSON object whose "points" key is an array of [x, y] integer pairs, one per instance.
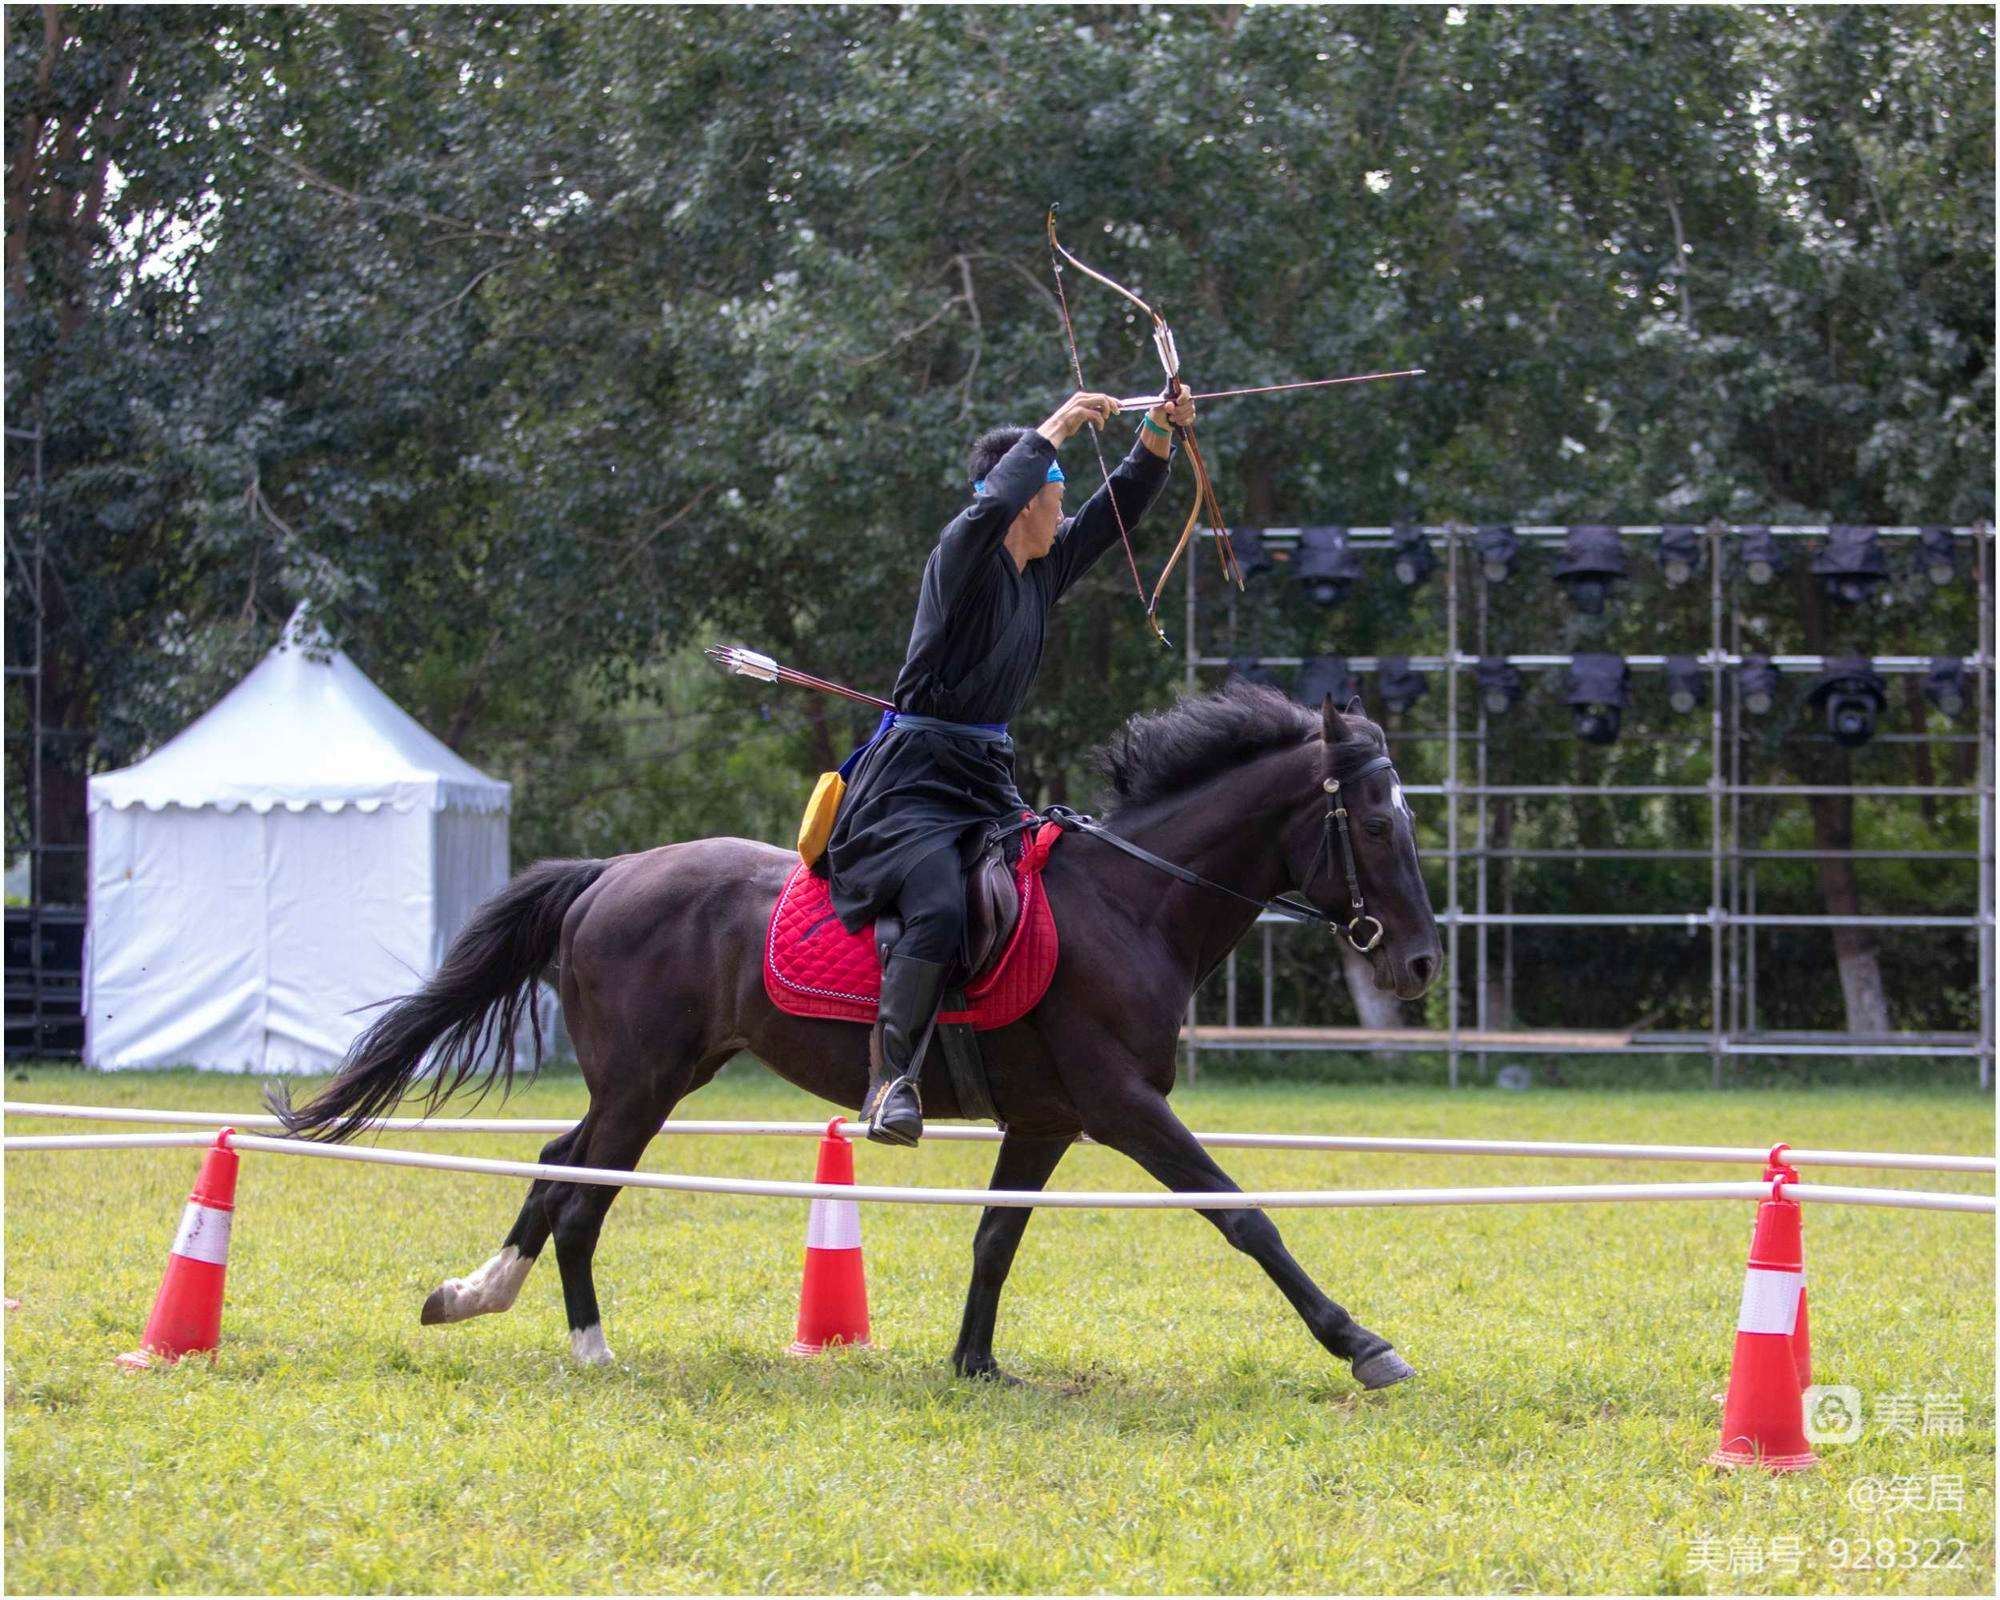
{"points": [[1333, 824], [1336, 822]]}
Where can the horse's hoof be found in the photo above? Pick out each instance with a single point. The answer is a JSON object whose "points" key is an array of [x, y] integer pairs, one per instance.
{"points": [[436, 1308], [1382, 1369], [992, 1373]]}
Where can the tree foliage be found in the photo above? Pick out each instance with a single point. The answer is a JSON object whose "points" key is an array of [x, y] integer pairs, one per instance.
{"points": [[538, 345]]}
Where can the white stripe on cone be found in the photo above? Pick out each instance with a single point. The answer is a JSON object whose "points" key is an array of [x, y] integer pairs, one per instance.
{"points": [[833, 1225], [1770, 1301], [204, 1234]]}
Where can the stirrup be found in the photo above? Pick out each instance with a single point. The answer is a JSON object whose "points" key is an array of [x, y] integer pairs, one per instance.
{"points": [[904, 1131]]}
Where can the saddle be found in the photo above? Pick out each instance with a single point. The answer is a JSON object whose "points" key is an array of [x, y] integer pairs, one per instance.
{"points": [[992, 909], [813, 967]]}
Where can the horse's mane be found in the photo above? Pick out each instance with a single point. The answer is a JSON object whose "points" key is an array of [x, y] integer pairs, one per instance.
{"points": [[1154, 757]]}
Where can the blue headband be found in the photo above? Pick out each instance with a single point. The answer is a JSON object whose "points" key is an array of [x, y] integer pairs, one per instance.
{"points": [[1055, 476]]}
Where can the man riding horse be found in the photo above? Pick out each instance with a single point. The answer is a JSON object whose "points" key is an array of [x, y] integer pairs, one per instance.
{"points": [[939, 772]]}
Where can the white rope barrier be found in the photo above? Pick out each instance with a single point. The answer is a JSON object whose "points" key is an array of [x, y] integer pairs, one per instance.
{"points": [[1754, 1155], [1055, 1199]]}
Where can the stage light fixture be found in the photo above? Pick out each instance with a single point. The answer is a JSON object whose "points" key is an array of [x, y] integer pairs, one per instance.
{"points": [[1851, 696], [1414, 559], [1757, 685], [1499, 683], [1761, 555], [1851, 565], [1592, 560], [1937, 556], [1251, 670], [1595, 695], [1498, 551], [1327, 567], [1687, 684], [1401, 685], [1680, 553], [1326, 675], [1251, 554], [1944, 687]]}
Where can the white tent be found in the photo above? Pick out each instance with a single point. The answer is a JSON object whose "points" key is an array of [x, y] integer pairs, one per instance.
{"points": [[303, 849]]}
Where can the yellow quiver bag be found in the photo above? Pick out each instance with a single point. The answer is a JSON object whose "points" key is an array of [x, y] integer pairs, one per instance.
{"points": [[816, 826]]}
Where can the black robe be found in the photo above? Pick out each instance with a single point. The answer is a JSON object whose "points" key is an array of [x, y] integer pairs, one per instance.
{"points": [[974, 650]]}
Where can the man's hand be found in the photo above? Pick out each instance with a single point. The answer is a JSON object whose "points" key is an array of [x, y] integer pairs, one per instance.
{"points": [[1179, 413], [1176, 413], [1080, 408]]}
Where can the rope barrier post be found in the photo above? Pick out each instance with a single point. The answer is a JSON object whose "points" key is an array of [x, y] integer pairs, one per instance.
{"points": [[1779, 1173]]}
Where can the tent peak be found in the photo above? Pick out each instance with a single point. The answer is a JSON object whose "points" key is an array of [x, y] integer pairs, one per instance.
{"points": [[304, 631]]}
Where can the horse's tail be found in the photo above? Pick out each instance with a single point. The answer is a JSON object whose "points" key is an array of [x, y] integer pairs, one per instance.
{"points": [[468, 1011]]}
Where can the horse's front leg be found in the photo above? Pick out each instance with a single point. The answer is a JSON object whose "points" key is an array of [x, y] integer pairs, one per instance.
{"points": [[1023, 1163], [1141, 1125]]}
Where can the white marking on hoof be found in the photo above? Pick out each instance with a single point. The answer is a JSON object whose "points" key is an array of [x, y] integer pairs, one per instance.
{"points": [[494, 1287], [587, 1346]]}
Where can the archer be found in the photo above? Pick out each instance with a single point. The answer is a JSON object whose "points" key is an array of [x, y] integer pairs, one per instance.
{"points": [[939, 771]]}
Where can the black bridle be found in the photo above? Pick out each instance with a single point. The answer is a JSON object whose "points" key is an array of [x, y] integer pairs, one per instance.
{"points": [[1333, 825]]}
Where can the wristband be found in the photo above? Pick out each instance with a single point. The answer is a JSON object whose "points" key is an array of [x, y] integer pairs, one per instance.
{"points": [[1146, 421]]}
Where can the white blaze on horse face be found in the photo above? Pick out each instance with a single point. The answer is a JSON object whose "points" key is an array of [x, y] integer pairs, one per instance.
{"points": [[1402, 805]]}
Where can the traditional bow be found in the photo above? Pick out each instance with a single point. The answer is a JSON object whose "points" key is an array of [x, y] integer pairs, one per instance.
{"points": [[1204, 487], [1170, 362]]}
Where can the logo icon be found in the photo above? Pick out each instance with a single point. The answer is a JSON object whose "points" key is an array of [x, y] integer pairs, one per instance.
{"points": [[1833, 1413]]}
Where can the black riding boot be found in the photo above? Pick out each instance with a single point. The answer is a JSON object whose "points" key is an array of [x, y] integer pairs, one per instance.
{"points": [[911, 990]]}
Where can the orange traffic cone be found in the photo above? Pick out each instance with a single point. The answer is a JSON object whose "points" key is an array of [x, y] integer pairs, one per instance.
{"points": [[1776, 1168], [833, 1300], [187, 1315], [1763, 1416]]}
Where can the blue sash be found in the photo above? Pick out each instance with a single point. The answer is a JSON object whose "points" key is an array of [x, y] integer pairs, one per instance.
{"points": [[985, 732]]}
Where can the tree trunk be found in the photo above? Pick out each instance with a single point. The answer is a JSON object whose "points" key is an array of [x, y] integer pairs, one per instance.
{"points": [[1853, 945]]}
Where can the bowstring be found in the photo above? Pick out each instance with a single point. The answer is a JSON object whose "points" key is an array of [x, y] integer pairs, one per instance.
{"points": [[1096, 440]]}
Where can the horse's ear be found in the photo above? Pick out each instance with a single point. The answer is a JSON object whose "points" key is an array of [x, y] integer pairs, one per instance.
{"points": [[1332, 723], [1354, 707]]}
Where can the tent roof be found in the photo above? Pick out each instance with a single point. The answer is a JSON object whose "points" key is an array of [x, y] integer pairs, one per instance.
{"points": [[306, 728]]}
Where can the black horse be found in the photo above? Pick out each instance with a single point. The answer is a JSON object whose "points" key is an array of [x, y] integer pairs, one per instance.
{"points": [[659, 956]]}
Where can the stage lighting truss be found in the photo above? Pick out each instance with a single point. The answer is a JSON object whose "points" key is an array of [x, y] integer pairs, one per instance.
{"points": [[1687, 684], [1680, 553], [1595, 694], [1851, 695], [1592, 560], [1327, 567], [1851, 565], [1414, 560]]}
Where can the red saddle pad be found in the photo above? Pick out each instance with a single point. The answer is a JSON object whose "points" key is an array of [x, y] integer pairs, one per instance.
{"points": [[813, 967]]}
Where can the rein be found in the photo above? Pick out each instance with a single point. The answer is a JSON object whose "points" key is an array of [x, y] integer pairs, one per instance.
{"points": [[1333, 824]]}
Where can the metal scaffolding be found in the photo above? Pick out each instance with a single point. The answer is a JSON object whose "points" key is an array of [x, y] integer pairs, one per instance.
{"points": [[45, 937], [1730, 919]]}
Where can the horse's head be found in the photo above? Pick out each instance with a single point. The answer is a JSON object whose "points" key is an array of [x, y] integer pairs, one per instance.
{"points": [[1373, 858]]}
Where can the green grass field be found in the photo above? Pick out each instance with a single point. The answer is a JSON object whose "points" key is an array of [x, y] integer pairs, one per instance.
{"points": [[1180, 1432]]}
